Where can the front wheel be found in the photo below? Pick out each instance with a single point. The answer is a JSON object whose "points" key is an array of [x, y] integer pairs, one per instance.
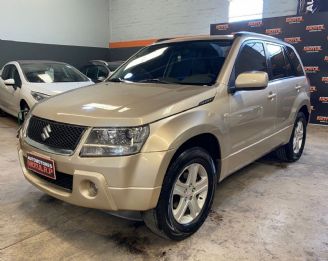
{"points": [[186, 196], [293, 150]]}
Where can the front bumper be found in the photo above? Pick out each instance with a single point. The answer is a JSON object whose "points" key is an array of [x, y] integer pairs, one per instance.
{"points": [[124, 183]]}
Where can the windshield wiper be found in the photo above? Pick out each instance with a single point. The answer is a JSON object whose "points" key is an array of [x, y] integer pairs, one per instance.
{"points": [[155, 80]]}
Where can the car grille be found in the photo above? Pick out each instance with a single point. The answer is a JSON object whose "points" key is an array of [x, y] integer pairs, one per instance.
{"points": [[64, 181], [62, 136]]}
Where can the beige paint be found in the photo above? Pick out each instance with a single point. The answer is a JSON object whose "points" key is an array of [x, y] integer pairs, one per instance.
{"points": [[250, 80], [247, 124]]}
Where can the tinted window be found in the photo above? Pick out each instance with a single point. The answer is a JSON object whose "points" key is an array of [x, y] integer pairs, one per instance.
{"points": [[94, 72], [91, 71], [16, 77], [102, 72], [251, 58], [194, 62], [51, 72], [278, 63], [6, 72], [114, 65], [296, 64]]}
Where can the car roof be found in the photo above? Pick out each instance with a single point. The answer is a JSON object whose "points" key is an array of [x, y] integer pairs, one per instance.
{"points": [[233, 36], [37, 61]]}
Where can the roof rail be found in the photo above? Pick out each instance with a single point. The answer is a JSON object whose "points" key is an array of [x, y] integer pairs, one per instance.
{"points": [[246, 33]]}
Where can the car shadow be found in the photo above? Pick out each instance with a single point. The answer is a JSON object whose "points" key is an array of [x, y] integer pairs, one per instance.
{"points": [[92, 230]]}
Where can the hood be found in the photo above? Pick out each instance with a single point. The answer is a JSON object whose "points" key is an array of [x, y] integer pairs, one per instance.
{"points": [[122, 104], [57, 87]]}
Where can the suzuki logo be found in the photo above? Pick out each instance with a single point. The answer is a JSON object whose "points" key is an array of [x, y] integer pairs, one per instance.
{"points": [[46, 132]]}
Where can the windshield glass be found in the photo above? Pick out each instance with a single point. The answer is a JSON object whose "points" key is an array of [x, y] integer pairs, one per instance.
{"points": [[51, 73], [193, 62]]}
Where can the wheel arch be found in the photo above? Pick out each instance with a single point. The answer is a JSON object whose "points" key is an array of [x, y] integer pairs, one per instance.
{"points": [[206, 141], [306, 112], [23, 102]]}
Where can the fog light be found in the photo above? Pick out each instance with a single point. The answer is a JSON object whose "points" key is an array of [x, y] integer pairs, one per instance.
{"points": [[93, 190]]}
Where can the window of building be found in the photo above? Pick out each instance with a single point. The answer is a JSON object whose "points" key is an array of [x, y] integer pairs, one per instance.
{"points": [[241, 10]]}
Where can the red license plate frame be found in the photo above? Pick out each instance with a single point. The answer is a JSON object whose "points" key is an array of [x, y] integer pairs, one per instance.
{"points": [[41, 165]]}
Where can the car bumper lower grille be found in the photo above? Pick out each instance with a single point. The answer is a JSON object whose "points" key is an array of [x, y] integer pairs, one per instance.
{"points": [[64, 181]]}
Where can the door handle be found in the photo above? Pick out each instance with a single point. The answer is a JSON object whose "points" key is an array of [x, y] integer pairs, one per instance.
{"points": [[271, 96]]}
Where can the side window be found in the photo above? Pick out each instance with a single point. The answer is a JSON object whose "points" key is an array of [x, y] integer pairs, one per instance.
{"points": [[16, 77], [251, 58], [288, 66], [102, 71], [6, 72], [11, 72], [296, 64], [91, 71], [278, 63]]}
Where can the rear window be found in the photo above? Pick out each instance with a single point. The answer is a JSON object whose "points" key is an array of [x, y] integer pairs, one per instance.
{"points": [[296, 64]]}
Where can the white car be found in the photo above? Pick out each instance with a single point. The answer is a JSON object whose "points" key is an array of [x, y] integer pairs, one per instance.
{"points": [[24, 83]]}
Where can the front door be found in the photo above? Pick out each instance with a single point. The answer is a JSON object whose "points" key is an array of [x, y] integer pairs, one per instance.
{"points": [[252, 114], [10, 94]]}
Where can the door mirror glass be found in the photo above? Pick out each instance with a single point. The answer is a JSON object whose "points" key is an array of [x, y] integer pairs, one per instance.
{"points": [[252, 81], [9, 82]]}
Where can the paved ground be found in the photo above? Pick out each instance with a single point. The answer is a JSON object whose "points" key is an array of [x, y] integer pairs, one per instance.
{"points": [[267, 211]]}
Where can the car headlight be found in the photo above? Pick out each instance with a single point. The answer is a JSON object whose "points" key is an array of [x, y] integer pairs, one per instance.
{"points": [[105, 142], [39, 96]]}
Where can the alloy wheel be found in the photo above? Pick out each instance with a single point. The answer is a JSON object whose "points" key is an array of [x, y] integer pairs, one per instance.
{"points": [[298, 137], [189, 193]]}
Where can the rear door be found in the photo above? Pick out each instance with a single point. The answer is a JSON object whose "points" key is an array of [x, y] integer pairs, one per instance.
{"points": [[287, 76]]}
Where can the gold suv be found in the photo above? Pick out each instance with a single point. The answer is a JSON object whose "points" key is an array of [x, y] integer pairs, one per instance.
{"points": [[172, 121]]}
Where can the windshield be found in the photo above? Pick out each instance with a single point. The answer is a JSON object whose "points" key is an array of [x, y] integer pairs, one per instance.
{"points": [[193, 62], [51, 73]]}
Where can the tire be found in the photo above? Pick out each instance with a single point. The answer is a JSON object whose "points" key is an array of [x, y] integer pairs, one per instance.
{"points": [[25, 107], [25, 110], [289, 152], [186, 197]]}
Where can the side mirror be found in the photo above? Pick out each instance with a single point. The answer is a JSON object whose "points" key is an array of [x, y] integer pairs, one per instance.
{"points": [[9, 82], [252, 81]]}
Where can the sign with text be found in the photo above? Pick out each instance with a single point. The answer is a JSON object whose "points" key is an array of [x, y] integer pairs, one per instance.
{"points": [[312, 6]]}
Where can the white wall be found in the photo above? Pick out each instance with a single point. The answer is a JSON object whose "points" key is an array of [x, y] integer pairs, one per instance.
{"points": [[65, 22], [273, 8], [146, 19], [96, 22]]}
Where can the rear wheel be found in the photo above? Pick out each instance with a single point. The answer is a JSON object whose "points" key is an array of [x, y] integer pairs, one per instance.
{"points": [[293, 150], [186, 196]]}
